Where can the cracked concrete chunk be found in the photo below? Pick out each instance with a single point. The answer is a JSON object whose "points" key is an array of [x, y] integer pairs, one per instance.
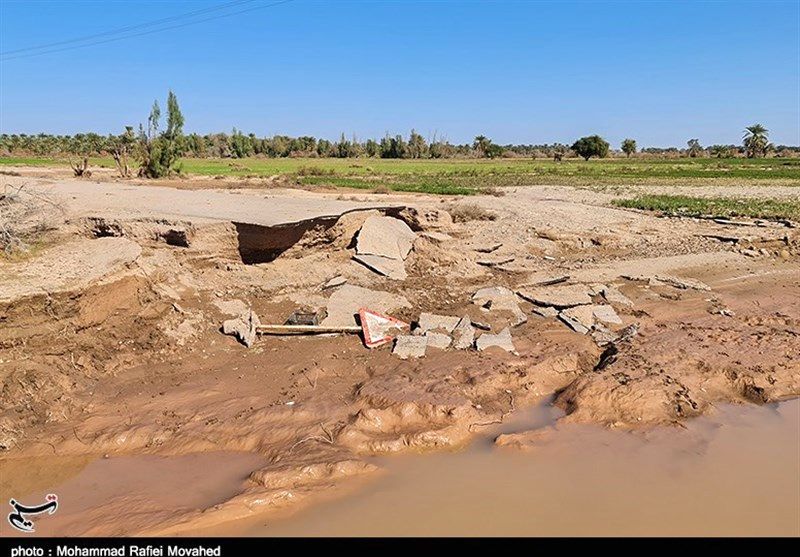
{"points": [[603, 336], [334, 282], [545, 311], [683, 283], [345, 302], [430, 321], [391, 268], [579, 318], [438, 340], [502, 299], [410, 346], [558, 296], [614, 296], [501, 340], [386, 237], [243, 327], [463, 334], [606, 314]]}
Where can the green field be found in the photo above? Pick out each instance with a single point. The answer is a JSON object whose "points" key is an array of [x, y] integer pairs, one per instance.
{"points": [[682, 205], [464, 176]]}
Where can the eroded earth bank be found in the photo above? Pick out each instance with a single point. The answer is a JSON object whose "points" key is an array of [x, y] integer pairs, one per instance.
{"points": [[111, 344]]}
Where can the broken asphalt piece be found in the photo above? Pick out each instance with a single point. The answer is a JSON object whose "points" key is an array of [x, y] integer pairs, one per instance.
{"points": [[614, 296], [244, 327], [386, 237], [438, 340], [410, 346], [463, 334], [391, 268], [501, 340], [500, 298], [378, 328], [429, 321], [344, 304]]}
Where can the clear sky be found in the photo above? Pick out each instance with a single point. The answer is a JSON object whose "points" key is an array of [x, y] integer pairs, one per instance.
{"points": [[516, 71]]}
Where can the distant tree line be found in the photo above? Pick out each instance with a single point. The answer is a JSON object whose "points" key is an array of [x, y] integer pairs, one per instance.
{"points": [[156, 151]]}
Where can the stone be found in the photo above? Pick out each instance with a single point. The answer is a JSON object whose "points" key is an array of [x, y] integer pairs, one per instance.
{"points": [[334, 282], [344, 303], [438, 340], [500, 340], [488, 248], [614, 296], [463, 334], [502, 299], [391, 268], [558, 296], [579, 318], [429, 321], [606, 314], [545, 311], [386, 237], [603, 336], [410, 346], [243, 327]]}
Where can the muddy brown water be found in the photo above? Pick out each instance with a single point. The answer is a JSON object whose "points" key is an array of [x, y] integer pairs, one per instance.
{"points": [[734, 473]]}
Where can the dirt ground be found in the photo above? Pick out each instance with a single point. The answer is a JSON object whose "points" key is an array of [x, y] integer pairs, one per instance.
{"points": [[111, 345]]}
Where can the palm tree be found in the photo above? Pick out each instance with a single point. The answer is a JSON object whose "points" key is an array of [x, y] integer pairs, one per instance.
{"points": [[756, 141]]}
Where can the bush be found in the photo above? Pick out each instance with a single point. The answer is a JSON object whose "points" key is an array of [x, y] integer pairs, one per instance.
{"points": [[469, 211]]}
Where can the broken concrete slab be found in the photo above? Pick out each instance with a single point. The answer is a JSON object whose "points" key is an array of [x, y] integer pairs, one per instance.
{"points": [[463, 334], [500, 298], [545, 311], [243, 327], [390, 268], [386, 237], [345, 302], [430, 321], [606, 314], [410, 346], [501, 340], [675, 282], [579, 318], [603, 336], [558, 296], [614, 296], [438, 340]]}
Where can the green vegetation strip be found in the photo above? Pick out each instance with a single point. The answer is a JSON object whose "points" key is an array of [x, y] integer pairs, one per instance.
{"points": [[681, 205]]}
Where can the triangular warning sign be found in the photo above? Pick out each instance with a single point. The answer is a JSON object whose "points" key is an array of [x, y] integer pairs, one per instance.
{"points": [[377, 327]]}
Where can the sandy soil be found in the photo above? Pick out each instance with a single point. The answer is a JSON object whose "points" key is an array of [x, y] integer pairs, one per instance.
{"points": [[127, 357]]}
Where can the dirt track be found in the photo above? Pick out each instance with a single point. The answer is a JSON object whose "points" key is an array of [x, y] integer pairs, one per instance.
{"points": [[128, 358]]}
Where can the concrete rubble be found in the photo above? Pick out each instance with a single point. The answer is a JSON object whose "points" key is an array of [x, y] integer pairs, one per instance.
{"points": [[244, 327], [614, 296], [429, 322], [501, 340], [383, 244], [500, 298], [344, 303], [410, 346], [463, 334], [438, 340], [669, 280]]}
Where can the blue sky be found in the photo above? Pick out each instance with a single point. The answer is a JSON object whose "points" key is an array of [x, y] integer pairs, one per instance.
{"points": [[516, 71]]}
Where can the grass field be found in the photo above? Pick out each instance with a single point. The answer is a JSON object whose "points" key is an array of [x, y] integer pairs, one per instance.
{"points": [[465, 176], [682, 205]]}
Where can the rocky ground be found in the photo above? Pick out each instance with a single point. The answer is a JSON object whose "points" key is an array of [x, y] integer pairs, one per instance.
{"points": [[112, 340]]}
